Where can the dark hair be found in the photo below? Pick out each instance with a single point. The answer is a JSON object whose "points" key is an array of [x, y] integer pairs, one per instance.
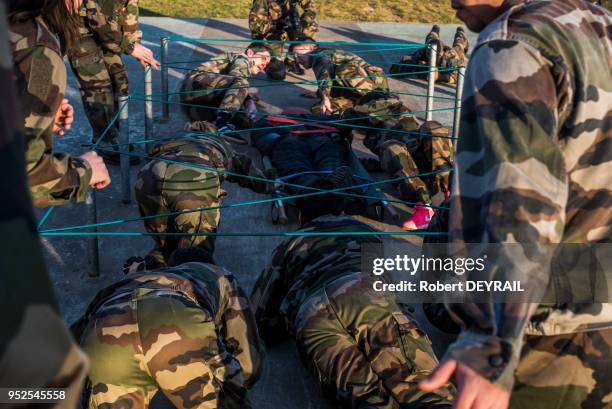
{"points": [[63, 22], [184, 255], [305, 40], [257, 47]]}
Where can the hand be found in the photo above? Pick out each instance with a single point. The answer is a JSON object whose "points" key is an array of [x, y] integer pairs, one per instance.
{"points": [[473, 391], [145, 56], [64, 117], [326, 107], [99, 174]]}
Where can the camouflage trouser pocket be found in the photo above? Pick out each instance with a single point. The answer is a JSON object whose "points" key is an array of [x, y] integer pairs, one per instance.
{"points": [[414, 343]]}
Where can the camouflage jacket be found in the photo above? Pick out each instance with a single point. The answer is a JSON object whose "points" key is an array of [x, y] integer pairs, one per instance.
{"points": [[302, 265], [114, 23], [266, 15], [211, 287], [326, 61], [534, 162], [31, 312], [235, 65], [55, 178]]}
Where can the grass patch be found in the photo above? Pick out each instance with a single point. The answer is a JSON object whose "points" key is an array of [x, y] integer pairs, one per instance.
{"points": [[417, 11], [409, 11]]}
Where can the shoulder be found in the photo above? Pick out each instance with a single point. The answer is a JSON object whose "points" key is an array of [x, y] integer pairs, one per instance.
{"points": [[553, 27], [34, 34]]}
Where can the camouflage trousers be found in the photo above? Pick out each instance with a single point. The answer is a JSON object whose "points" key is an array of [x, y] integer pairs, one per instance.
{"points": [[153, 340], [164, 188], [416, 65], [208, 90], [429, 154], [102, 78], [570, 371], [364, 350]]}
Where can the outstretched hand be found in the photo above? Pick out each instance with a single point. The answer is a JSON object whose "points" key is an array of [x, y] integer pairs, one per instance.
{"points": [[326, 107], [473, 391], [145, 56]]}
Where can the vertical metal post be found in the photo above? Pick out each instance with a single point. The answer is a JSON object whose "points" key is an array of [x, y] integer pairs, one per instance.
{"points": [[148, 107], [124, 126], [93, 251], [431, 81], [164, 80], [458, 97]]}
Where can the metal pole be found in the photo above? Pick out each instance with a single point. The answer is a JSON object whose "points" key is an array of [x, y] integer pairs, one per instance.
{"points": [[92, 241], [164, 80], [148, 107], [431, 81], [458, 97], [124, 126]]}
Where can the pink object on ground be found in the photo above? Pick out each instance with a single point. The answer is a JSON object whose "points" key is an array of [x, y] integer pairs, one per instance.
{"points": [[420, 218]]}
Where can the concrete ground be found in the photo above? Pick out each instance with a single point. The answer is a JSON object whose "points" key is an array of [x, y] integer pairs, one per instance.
{"points": [[285, 382]]}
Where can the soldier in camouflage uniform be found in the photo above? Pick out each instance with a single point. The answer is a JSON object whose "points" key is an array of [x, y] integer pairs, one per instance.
{"points": [[447, 58], [109, 28], [186, 175], [187, 331], [366, 349], [36, 349], [342, 77], [55, 178], [221, 87], [405, 148], [312, 156], [532, 166], [271, 20]]}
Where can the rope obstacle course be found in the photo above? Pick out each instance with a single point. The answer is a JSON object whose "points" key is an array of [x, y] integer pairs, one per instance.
{"points": [[149, 98]]}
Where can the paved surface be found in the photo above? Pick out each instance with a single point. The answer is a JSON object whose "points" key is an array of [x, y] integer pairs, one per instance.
{"points": [[285, 382]]}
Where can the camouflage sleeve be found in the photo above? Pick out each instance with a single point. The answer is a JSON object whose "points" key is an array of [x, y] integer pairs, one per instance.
{"points": [[240, 330], [260, 22], [309, 16], [267, 297], [106, 30], [55, 178], [323, 67], [239, 90], [36, 349], [129, 24], [510, 187]]}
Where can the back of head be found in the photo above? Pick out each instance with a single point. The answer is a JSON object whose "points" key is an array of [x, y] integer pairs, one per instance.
{"points": [[189, 255]]}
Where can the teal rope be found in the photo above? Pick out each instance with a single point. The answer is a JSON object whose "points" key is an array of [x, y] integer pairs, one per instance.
{"points": [[263, 234], [310, 82], [45, 217], [111, 123], [184, 39], [336, 122], [227, 206]]}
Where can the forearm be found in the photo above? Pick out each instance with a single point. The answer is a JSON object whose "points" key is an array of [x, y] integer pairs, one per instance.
{"points": [[130, 25], [241, 336], [57, 179]]}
